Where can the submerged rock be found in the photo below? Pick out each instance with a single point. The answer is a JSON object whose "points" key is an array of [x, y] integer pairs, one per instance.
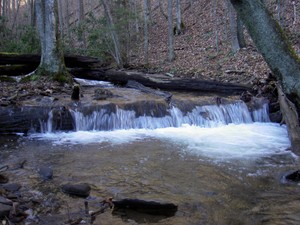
{"points": [[5, 207], [3, 179], [12, 187], [80, 190], [148, 207], [102, 94], [46, 173], [294, 176]]}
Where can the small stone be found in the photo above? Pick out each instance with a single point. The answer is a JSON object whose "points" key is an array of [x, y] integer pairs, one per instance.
{"points": [[46, 173], [5, 207], [102, 94], [3, 179], [80, 190], [12, 187]]}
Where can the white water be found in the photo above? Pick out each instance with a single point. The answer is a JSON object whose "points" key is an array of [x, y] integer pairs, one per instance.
{"points": [[228, 141], [219, 132], [203, 116]]}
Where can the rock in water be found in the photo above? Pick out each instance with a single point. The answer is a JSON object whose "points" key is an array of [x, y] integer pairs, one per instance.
{"points": [[80, 190], [76, 92], [12, 187], [45, 173], [5, 207], [294, 176]]}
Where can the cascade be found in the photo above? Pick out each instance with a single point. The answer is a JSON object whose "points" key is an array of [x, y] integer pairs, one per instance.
{"points": [[203, 116]]}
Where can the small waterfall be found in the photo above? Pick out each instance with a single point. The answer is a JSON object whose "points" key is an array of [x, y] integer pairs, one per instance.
{"points": [[204, 116], [47, 126]]}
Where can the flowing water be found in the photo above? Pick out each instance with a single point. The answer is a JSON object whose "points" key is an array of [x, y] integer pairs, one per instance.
{"points": [[219, 164]]}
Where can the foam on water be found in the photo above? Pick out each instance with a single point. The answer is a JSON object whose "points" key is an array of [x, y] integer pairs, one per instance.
{"points": [[229, 141]]}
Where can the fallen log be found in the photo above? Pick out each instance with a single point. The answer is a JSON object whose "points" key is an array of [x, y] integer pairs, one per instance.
{"points": [[17, 70], [159, 81], [34, 60], [291, 119]]}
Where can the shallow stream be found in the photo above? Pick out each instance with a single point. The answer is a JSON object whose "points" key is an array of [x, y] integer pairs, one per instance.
{"points": [[230, 174]]}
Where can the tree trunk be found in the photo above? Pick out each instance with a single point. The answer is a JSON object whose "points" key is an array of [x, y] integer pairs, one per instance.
{"points": [[171, 55], [273, 44], [178, 17], [233, 28], [114, 36], [291, 119], [240, 32], [159, 81], [52, 60], [146, 31]]}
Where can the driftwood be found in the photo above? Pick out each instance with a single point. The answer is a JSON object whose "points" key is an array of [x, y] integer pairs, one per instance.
{"points": [[159, 81], [291, 119]]}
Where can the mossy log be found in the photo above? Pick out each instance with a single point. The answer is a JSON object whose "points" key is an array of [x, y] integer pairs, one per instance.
{"points": [[34, 59], [291, 119], [159, 81], [16, 69]]}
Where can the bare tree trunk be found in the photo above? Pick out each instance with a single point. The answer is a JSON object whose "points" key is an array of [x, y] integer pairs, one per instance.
{"points": [[240, 32], [61, 17], [295, 12], [114, 36], [67, 20], [171, 55], [162, 10], [178, 17], [80, 25], [0, 7], [215, 16], [32, 13], [146, 31], [233, 28], [52, 59], [16, 15]]}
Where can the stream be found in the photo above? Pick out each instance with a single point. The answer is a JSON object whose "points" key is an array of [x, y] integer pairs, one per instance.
{"points": [[224, 175], [220, 164]]}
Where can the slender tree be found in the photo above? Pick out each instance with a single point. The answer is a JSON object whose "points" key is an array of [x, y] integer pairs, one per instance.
{"points": [[114, 35], [178, 18], [52, 59], [171, 54], [146, 30]]}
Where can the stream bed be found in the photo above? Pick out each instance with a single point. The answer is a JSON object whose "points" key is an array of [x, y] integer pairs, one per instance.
{"points": [[230, 174]]}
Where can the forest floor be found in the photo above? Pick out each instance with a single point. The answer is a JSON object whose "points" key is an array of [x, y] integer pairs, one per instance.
{"points": [[204, 50]]}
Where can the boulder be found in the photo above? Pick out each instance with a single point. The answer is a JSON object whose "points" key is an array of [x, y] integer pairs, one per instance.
{"points": [[80, 190]]}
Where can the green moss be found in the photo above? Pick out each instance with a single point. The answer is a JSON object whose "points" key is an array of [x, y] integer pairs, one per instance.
{"points": [[287, 42]]}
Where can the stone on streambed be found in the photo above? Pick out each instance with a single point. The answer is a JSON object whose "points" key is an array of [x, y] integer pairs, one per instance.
{"points": [[12, 187], [46, 173], [80, 190], [5, 207], [139, 210], [294, 176]]}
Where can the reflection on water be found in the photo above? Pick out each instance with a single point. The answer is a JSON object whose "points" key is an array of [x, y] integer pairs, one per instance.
{"points": [[173, 165]]}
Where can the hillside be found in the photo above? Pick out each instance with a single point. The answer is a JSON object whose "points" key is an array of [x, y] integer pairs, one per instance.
{"points": [[196, 50]]}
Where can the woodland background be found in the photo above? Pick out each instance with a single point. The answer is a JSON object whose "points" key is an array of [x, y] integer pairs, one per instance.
{"points": [[205, 48]]}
